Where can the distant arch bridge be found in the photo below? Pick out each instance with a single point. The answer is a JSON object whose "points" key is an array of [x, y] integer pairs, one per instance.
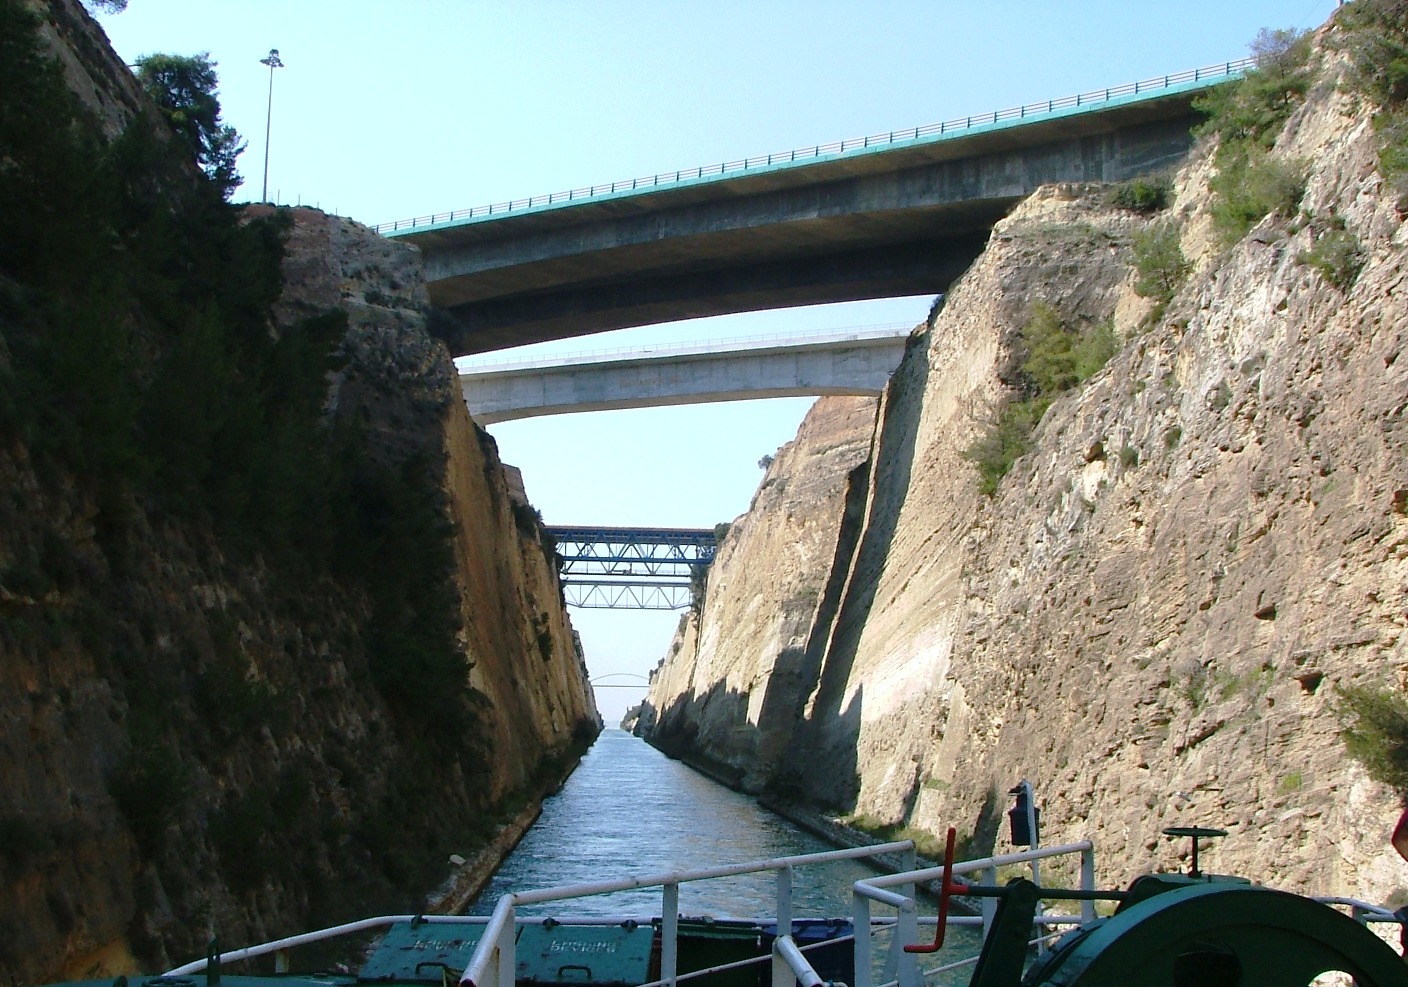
{"points": [[642, 681]]}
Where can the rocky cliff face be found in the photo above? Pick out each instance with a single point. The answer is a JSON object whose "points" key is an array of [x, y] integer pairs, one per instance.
{"points": [[525, 662], [205, 728], [741, 666], [1150, 616]]}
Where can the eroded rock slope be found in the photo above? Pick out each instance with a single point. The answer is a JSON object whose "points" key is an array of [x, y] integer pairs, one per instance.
{"points": [[1150, 615]]}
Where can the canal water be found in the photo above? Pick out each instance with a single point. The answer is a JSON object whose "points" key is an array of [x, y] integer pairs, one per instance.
{"points": [[628, 810]]}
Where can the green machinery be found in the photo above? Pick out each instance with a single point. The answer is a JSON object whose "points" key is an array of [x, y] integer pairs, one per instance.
{"points": [[1181, 930]]}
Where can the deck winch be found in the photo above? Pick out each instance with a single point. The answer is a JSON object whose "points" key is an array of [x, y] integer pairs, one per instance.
{"points": [[1177, 930]]}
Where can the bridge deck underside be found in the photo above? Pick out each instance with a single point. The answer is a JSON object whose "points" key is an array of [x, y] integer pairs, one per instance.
{"points": [[861, 366], [905, 221]]}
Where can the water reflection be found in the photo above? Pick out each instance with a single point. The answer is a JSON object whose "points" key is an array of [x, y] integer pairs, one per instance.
{"points": [[630, 811]]}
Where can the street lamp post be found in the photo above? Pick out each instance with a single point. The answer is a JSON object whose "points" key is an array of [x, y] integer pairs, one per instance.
{"points": [[274, 63]]}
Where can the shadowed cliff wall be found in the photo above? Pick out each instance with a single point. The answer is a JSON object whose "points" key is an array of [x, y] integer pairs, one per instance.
{"points": [[274, 638]]}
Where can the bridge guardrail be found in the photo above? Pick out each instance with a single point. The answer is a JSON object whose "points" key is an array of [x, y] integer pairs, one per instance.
{"points": [[889, 330], [958, 125]]}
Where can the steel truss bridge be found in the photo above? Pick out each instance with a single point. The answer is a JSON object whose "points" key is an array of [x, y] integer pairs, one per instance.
{"points": [[632, 568]]}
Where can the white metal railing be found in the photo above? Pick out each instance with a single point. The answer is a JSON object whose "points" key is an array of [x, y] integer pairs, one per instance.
{"points": [[1362, 911], [303, 939], [788, 964], [876, 889], [889, 330], [493, 963], [1038, 942], [955, 127]]}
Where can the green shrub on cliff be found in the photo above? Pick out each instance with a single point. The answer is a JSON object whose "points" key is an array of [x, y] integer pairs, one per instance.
{"points": [[1006, 438], [1053, 356], [1145, 194], [1246, 116], [183, 88], [1374, 33], [150, 785], [1375, 732], [1160, 264], [1337, 253], [1251, 185], [1253, 109]]}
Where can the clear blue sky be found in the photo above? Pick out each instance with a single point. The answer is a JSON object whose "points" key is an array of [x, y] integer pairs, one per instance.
{"points": [[389, 109]]}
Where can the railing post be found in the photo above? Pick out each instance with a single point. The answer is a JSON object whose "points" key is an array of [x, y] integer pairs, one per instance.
{"points": [[784, 901], [504, 953], [669, 934], [860, 921], [989, 904], [781, 972], [907, 926], [1087, 883]]}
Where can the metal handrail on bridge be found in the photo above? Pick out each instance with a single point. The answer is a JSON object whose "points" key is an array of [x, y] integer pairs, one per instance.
{"points": [[944, 129]]}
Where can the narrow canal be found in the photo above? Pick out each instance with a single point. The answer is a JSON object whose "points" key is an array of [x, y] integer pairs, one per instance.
{"points": [[629, 810]]}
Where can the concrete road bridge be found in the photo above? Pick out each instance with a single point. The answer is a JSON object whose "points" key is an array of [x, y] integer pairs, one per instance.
{"points": [[900, 213], [845, 361]]}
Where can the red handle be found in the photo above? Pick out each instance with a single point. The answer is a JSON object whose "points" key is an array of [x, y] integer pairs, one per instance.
{"points": [[948, 889]]}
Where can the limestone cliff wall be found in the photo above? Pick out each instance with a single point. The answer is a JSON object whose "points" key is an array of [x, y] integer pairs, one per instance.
{"points": [[741, 663], [525, 660], [205, 734], [1149, 617], [267, 715]]}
